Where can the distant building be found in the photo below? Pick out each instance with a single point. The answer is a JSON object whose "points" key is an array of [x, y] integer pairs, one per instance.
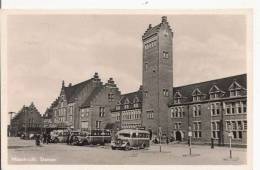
{"points": [[27, 120]]}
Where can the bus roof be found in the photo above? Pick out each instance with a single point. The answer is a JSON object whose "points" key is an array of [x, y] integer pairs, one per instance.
{"points": [[132, 131]]}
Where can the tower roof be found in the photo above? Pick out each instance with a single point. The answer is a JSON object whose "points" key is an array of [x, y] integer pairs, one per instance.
{"points": [[154, 30]]}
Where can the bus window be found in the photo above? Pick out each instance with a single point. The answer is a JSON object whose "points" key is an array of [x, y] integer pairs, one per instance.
{"points": [[125, 135]]}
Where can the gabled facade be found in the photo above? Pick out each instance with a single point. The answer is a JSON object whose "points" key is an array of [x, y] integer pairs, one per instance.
{"points": [[95, 112], [127, 114], [27, 120], [85, 105], [224, 103]]}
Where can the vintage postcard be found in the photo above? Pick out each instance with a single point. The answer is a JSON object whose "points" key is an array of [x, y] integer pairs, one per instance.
{"points": [[127, 88]]}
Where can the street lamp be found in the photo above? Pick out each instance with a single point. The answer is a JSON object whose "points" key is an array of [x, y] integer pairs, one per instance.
{"points": [[190, 134]]}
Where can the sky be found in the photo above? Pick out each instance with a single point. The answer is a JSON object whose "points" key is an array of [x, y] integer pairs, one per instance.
{"points": [[43, 50]]}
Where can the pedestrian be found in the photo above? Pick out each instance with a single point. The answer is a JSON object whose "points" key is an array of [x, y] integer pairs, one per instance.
{"points": [[48, 138], [38, 140], [71, 139], [44, 137], [68, 138]]}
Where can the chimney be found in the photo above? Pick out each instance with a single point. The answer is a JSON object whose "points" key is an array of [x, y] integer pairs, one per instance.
{"points": [[63, 83], [164, 19], [150, 26], [110, 82], [96, 77], [70, 84]]}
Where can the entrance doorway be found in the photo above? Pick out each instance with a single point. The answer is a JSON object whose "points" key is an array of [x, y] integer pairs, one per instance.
{"points": [[178, 135]]}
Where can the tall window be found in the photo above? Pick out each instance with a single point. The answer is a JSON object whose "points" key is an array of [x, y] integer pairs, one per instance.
{"points": [[150, 114], [197, 130], [215, 129], [196, 110], [110, 97], [177, 125], [165, 54], [244, 106], [98, 124], [215, 109], [145, 66], [166, 92], [101, 111]]}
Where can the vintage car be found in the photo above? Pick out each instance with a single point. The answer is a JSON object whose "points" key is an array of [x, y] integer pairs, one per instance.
{"points": [[92, 137], [59, 136], [131, 139]]}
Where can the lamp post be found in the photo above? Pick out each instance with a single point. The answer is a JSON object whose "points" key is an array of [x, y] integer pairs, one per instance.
{"points": [[210, 108], [230, 141], [190, 134]]}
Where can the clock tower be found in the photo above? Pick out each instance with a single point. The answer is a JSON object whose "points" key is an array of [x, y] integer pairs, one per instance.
{"points": [[157, 76]]}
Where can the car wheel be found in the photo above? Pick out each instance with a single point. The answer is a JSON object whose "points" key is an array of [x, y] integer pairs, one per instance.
{"points": [[113, 148]]}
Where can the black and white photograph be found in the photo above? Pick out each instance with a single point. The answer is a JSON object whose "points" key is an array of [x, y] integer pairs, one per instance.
{"points": [[118, 88]]}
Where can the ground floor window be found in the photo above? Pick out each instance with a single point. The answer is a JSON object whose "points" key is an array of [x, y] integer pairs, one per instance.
{"points": [[236, 127], [197, 130], [215, 129]]}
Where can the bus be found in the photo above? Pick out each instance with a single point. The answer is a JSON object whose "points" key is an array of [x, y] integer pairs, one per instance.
{"points": [[131, 139]]}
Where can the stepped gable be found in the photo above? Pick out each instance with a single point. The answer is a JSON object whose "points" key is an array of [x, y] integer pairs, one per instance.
{"points": [[223, 84], [154, 30]]}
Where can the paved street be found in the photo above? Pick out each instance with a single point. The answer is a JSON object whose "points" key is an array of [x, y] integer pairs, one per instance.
{"points": [[25, 152]]}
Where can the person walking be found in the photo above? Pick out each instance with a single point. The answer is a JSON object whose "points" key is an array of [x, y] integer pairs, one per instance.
{"points": [[48, 138], [68, 138], [44, 137]]}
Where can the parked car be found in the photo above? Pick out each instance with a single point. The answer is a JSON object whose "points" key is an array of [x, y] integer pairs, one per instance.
{"points": [[131, 139], [94, 137], [32, 136], [59, 136]]}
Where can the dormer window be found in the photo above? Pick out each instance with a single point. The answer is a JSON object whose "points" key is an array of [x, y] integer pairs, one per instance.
{"points": [[136, 101], [235, 89], [215, 92], [126, 104], [177, 97], [196, 95]]}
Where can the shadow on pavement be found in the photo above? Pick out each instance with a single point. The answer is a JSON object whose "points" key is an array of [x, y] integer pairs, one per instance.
{"points": [[18, 147]]}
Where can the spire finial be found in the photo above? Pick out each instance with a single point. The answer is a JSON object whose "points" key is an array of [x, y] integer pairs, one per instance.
{"points": [[164, 19]]}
